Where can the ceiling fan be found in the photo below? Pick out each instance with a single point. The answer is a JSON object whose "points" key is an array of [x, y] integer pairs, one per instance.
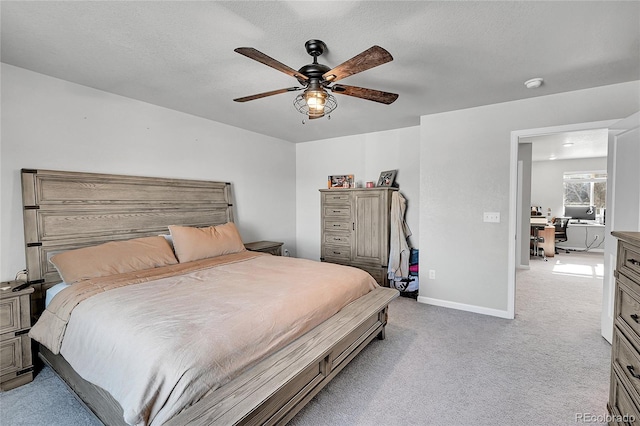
{"points": [[317, 79]]}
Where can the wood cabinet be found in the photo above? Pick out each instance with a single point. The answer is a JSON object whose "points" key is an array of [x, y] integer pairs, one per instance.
{"points": [[16, 359], [624, 395], [271, 247], [355, 229]]}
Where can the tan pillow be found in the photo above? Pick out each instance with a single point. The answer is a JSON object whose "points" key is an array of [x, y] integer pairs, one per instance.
{"points": [[113, 258], [192, 243]]}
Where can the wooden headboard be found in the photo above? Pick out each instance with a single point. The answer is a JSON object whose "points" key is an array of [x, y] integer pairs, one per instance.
{"points": [[69, 210]]}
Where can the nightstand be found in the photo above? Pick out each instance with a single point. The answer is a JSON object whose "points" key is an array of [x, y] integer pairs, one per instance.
{"points": [[272, 247], [16, 358]]}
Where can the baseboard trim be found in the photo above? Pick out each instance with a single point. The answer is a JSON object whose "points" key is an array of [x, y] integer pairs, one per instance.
{"points": [[464, 307]]}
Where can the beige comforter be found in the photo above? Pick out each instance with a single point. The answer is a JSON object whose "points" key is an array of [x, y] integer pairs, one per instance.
{"points": [[158, 342]]}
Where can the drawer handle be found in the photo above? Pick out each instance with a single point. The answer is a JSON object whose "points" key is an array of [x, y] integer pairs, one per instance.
{"points": [[335, 211], [636, 318], [633, 373], [337, 239], [336, 225], [336, 252], [25, 371], [634, 262]]}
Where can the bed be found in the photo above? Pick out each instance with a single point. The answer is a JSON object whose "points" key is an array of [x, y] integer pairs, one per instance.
{"points": [[65, 211]]}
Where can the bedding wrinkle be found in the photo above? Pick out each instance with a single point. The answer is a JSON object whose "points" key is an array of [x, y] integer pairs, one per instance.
{"points": [[161, 344]]}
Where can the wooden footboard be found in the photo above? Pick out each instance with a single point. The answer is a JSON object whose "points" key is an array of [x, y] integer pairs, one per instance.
{"points": [[275, 389]]}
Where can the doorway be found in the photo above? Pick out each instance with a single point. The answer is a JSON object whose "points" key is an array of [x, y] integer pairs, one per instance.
{"points": [[521, 195]]}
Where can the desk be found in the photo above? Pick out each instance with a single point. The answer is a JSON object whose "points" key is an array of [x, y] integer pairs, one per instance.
{"points": [[539, 229], [584, 235]]}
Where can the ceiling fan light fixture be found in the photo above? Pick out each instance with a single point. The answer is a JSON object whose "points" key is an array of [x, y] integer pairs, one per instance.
{"points": [[315, 101]]}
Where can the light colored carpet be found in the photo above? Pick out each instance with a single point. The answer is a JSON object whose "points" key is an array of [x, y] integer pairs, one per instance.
{"points": [[443, 367]]}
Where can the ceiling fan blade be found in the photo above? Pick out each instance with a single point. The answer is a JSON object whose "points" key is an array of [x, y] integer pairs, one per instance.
{"points": [[368, 59], [256, 55], [265, 94], [368, 94]]}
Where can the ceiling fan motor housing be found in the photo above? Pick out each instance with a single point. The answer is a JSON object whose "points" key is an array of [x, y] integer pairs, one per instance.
{"points": [[315, 70], [315, 47]]}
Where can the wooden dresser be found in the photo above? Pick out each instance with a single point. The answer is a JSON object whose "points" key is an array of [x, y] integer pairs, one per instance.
{"points": [[16, 358], [624, 395], [355, 229]]}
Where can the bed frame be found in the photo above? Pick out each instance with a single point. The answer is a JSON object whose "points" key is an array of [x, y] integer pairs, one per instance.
{"points": [[68, 210]]}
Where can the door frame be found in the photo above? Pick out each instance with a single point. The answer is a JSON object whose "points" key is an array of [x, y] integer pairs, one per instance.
{"points": [[514, 238], [615, 204]]}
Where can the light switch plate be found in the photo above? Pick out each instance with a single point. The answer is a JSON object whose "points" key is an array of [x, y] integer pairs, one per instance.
{"points": [[492, 217]]}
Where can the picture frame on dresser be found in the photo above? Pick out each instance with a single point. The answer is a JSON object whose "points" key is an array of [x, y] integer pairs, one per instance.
{"points": [[340, 181], [387, 178]]}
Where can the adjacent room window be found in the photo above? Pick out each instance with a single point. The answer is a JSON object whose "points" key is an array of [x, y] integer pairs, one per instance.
{"points": [[585, 189]]}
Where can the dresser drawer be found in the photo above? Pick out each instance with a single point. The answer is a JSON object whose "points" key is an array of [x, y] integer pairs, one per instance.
{"points": [[337, 238], [11, 359], [337, 211], [627, 305], [626, 361], [9, 315], [15, 312], [338, 254], [336, 198], [337, 225], [622, 409], [629, 259]]}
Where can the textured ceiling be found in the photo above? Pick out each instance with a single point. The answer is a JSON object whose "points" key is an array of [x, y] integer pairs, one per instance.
{"points": [[570, 145], [447, 55]]}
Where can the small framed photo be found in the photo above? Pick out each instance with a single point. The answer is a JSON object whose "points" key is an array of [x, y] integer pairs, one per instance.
{"points": [[387, 178], [340, 181]]}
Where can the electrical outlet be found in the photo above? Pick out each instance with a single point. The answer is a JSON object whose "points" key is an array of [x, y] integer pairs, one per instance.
{"points": [[432, 274], [492, 217]]}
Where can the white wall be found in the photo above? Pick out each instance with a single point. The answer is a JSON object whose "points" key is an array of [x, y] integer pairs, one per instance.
{"points": [[365, 156], [465, 171], [623, 157], [525, 151], [49, 123], [547, 188], [627, 177]]}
